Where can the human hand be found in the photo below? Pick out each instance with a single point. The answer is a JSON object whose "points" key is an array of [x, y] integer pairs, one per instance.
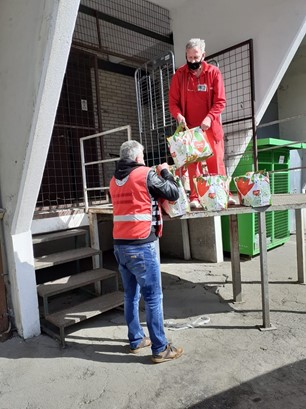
{"points": [[162, 166], [206, 123], [181, 120]]}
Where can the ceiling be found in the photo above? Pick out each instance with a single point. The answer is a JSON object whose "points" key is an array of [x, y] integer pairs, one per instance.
{"points": [[171, 4]]}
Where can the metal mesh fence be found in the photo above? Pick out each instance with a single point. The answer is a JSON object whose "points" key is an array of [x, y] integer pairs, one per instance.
{"points": [[236, 65], [155, 121], [123, 32], [111, 39], [76, 116]]}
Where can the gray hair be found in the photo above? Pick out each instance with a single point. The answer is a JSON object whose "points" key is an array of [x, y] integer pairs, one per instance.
{"points": [[130, 150], [196, 42]]}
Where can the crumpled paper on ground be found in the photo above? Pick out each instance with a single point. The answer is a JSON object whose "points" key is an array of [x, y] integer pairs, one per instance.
{"points": [[177, 326]]}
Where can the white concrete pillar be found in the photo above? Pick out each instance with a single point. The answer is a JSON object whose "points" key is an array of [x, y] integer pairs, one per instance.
{"points": [[23, 284], [35, 40], [206, 239]]}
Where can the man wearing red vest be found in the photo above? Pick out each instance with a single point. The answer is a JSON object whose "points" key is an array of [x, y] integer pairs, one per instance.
{"points": [[135, 190], [197, 98]]}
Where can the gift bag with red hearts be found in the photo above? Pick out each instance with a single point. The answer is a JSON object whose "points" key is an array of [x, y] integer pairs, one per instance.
{"points": [[189, 146], [254, 189], [213, 191], [180, 206]]}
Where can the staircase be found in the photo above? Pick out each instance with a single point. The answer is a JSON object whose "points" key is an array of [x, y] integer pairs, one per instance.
{"points": [[55, 323]]}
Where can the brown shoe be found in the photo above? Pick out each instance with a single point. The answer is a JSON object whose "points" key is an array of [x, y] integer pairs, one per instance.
{"points": [[168, 354], [145, 342]]}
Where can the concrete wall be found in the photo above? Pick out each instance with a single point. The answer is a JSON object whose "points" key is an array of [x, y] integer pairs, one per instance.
{"points": [[35, 39], [291, 97], [277, 28], [292, 103]]}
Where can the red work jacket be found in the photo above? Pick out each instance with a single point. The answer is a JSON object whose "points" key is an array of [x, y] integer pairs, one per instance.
{"points": [[213, 86], [132, 205]]}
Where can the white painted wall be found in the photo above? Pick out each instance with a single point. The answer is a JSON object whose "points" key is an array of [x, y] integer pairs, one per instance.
{"points": [[277, 28], [291, 97], [35, 39]]}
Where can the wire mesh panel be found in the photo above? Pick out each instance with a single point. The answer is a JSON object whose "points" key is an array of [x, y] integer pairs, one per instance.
{"points": [[111, 39], [155, 122], [76, 117], [236, 66], [128, 32]]}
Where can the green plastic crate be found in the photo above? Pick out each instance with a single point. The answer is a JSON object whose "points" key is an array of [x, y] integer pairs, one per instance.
{"points": [[277, 222]]}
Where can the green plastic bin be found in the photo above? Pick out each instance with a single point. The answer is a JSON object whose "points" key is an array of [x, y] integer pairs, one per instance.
{"points": [[277, 222]]}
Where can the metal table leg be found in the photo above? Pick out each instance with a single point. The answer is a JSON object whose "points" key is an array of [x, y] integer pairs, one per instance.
{"points": [[300, 245], [264, 270], [235, 258]]}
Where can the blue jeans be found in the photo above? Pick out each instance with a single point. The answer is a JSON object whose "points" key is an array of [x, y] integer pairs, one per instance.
{"points": [[140, 272]]}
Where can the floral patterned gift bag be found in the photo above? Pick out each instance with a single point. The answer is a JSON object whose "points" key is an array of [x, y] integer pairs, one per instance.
{"points": [[188, 146], [213, 191], [180, 206], [254, 189]]}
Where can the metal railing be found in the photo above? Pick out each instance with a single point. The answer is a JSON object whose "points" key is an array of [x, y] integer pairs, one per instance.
{"points": [[98, 162]]}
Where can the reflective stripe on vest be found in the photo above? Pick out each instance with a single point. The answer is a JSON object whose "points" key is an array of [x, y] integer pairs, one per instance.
{"points": [[132, 205]]}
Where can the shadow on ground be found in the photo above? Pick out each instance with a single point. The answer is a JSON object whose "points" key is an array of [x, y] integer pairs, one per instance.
{"points": [[182, 301], [283, 388]]}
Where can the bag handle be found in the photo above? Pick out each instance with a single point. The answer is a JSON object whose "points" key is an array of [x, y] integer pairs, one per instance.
{"points": [[180, 128]]}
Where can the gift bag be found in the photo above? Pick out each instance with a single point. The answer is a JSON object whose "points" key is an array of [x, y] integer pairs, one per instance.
{"points": [[180, 206], [254, 189], [183, 174], [213, 191], [188, 146]]}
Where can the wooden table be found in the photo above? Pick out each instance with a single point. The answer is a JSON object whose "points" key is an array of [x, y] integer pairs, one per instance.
{"points": [[280, 202]]}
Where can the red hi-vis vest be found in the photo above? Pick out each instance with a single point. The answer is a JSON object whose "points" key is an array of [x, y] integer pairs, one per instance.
{"points": [[132, 205]]}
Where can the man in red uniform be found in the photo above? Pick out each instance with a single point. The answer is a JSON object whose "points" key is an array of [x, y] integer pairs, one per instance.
{"points": [[135, 190], [197, 98]]}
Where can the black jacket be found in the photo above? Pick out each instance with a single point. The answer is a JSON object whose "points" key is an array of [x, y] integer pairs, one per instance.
{"points": [[162, 186]]}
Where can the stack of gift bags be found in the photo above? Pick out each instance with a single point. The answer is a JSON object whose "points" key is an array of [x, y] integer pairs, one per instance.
{"points": [[191, 145]]}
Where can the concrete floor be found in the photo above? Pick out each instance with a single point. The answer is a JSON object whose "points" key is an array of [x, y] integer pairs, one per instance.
{"points": [[228, 363]]}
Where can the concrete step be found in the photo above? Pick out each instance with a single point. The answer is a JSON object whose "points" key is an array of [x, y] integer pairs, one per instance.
{"points": [[72, 282], [86, 310], [62, 234], [54, 259]]}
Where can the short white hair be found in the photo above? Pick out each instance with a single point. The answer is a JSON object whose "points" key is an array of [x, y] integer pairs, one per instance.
{"points": [[130, 150], [196, 42]]}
